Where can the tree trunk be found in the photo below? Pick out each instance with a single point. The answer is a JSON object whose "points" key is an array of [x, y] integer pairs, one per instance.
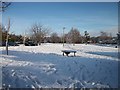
{"points": [[8, 29]]}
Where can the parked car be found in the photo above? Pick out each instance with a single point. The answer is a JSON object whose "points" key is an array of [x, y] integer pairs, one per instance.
{"points": [[30, 43], [2, 44], [12, 44], [9, 44]]}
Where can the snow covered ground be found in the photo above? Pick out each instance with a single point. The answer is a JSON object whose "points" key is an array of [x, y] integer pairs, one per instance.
{"points": [[44, 66]]}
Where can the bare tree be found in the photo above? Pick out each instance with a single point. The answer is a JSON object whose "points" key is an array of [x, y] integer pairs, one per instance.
{"points": [[118, 38], [1, 34], [105, 38], [73, 36], [103, 34], [55, 38], [8, 29], [4, 5], [5, 34], [39, 33]]}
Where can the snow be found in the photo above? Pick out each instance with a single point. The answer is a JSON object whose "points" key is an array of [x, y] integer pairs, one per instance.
{"points": [[44, 66]]}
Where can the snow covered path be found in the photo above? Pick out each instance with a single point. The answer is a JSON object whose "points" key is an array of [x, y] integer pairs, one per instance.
{"points": [[44, 66]]}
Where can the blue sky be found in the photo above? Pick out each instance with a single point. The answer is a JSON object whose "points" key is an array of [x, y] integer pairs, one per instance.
{"points": [[91, 16]]}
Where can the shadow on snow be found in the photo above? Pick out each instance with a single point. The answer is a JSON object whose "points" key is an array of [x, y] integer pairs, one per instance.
{"points": [[80, 70]]}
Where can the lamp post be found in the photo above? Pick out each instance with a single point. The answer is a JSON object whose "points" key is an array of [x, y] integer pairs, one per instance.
{"points": [[63, 35], [24, 37]]}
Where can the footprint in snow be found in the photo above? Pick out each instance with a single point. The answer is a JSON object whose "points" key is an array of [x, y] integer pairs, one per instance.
{"points": [[13, 72], [59, 82], [49, 68]]}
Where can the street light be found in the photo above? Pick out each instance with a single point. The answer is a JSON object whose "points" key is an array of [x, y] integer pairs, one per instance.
{"points": [[63, 35], [24, 37]]}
